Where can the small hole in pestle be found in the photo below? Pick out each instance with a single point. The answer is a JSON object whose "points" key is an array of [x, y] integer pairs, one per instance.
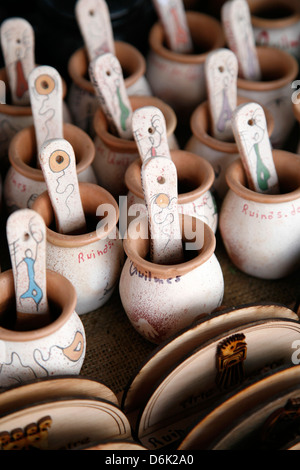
{"points": [[251, 122], [59, 159], [150, 130], [26, 237], [221, 68], [161, 180], [91, 12], [45, 85], [108, 73]]}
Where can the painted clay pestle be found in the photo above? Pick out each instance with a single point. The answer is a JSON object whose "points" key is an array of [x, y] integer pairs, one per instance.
{"points": [[250, 132], [58, 164], [26, 236]]}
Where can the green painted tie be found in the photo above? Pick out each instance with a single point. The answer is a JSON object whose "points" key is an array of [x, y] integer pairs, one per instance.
{"points": [[262, 172], [124, 110]]}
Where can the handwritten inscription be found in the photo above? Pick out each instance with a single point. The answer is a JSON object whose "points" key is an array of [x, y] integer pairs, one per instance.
{"points": [[133, 271], [270, 215], [93, 254]]}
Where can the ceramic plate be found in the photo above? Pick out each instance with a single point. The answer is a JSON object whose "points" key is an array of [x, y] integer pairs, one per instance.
{"points": [[207, 373], [165, 356], [63, 424], [51, 388]]}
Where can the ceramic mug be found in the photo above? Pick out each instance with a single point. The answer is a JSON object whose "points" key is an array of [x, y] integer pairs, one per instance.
{"points": [[179, 79], [114, 154], [13, 118], [218, 153], [261, 232], [83, 101], [91, 261], [160, 300], [55, 349], [24, 182], [274, 91], [277, 24], [195, 180]]}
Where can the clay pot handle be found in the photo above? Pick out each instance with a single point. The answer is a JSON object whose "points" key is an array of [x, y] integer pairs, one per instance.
{"points": [[236, 20], [46, 97], [173, 18], [221, 72], [17, 40], [26, 236], [107, 77], [94, 22], [150, 132], [58, 164], [159, 181], [250, 131]]}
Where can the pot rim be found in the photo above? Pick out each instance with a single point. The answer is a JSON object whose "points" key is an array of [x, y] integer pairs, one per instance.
{"points": [[200, 123], [276, 23], [282, 58], [134, 184], [137, 250], [61, 287], [121, 145], [73, 134], [236, 179], [44, 207], [195, 20], [123, 50]]}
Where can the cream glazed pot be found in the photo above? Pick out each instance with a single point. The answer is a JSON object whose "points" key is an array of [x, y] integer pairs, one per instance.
{"points": [[114, 154], [82, 98], [219, 154], [58, 348], [279, 70], [178, 79], [160, 300], [195, 180], [277, 23], [24, 182], [92, 261], [261, 232]]}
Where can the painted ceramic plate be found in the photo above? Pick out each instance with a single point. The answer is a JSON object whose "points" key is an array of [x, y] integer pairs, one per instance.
{"points": [[63, 424], [165, 356], [215, 368]]}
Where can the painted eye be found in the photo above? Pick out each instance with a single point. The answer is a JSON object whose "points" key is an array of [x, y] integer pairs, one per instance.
{"points": [[59, 161], [162, 200], [44, 85]]}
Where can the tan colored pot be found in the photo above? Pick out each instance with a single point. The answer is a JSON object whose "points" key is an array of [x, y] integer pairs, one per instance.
{"points": [[261, 232], [279, 69], [277, 23], [115, 154], [218, 153], [24, 182], [160, 300], [194, 172], [91, 261], [83, 101], [55, 349], [178, 79]]}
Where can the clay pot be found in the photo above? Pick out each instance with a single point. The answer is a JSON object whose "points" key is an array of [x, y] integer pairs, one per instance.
{"points": [[55, 349], [83, 101], [276, 23], [178, 79], [195, 180], [296, 108], [91, 261], [261, 232], [24, 182], [14, 118], [219, 154], [160, 300], [279, 69], [115, 154]]}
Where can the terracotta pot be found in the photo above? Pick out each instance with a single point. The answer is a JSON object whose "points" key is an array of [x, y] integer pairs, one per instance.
{"points": [[296, 108], [178, 79], [195, 180], [279, 69], [83, 101], [55, 349], [261, 232], [24, 182], [218, 153], [91, 261], [14, 118], [114, 154], [160, 300], [277, 23]]}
